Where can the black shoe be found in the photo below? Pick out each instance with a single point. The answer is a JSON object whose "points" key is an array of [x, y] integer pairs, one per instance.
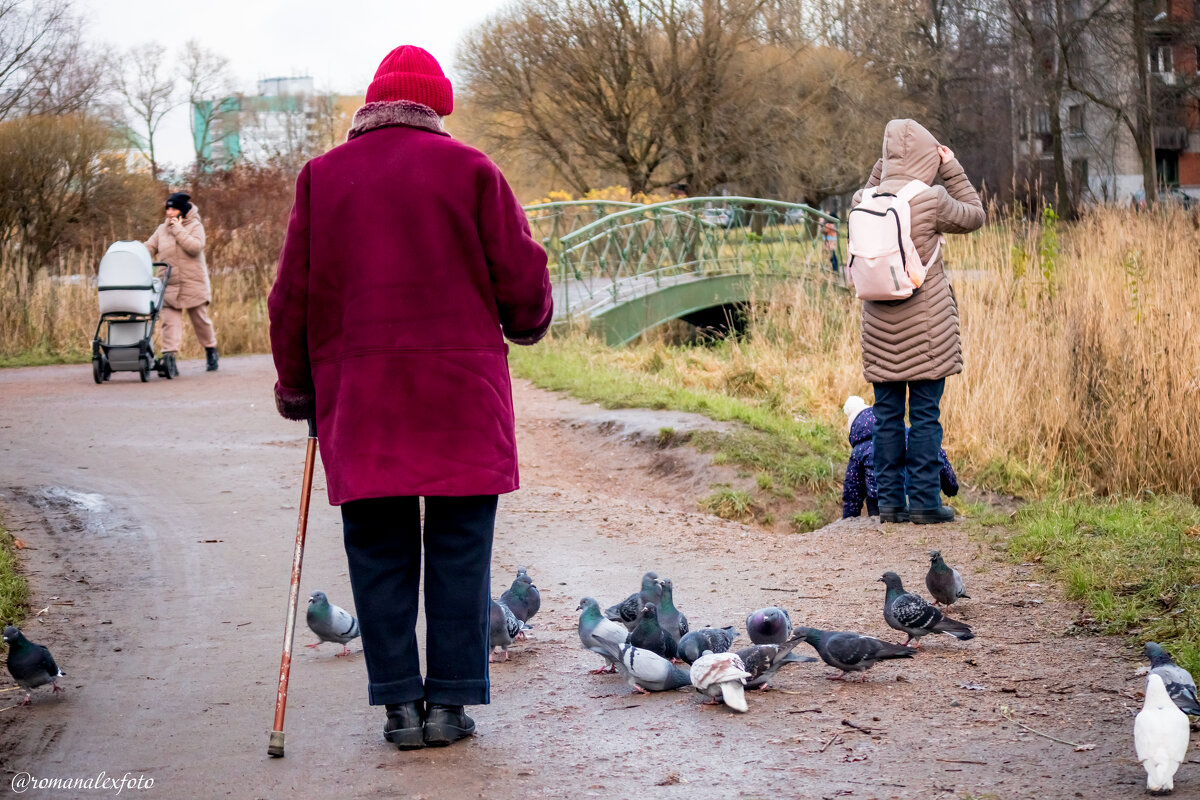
{"points": [[893, 514], [165, 366], [403, 727], [447, 724], [932, 516], [210, 356]]}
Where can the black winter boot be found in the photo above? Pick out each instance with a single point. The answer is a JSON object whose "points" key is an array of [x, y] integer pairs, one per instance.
{"points": [[893, 514], [932, 516], [403, 727], [165, 366], [210, 355], [447, 724]]}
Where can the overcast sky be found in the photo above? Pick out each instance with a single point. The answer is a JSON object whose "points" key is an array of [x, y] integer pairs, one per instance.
{"points": [[338, 43]]}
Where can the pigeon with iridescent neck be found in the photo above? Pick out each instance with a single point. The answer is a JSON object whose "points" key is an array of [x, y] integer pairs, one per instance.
{"points": [[30, 665], [330, 623]]}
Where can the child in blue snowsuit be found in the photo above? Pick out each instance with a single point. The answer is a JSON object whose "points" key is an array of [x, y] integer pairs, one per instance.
{"points": [[859, 484]]}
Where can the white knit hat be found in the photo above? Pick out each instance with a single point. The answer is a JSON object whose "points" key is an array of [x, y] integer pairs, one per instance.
{"points": [[855, 405]]}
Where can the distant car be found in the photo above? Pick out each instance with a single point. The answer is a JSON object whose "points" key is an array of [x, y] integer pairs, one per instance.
{"points": [[1168, 196], [718, 217]]}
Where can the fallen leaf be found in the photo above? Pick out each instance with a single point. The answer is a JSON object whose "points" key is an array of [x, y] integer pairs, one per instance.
{"points": [[19, 544]]}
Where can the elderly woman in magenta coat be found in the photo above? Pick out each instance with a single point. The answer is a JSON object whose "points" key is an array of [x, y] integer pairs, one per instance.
{"points": [[407, 263]]}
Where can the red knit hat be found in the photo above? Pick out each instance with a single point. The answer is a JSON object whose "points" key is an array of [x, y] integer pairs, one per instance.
{"points": [[410, 73]]}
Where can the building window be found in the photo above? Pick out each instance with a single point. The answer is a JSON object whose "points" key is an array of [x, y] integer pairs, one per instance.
{"points": [[1075, 120], [1079, 174], [1160, 59]]}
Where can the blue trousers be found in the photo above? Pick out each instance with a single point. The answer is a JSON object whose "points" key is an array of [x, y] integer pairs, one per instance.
{"points": [[920, 458], [383, 548]]}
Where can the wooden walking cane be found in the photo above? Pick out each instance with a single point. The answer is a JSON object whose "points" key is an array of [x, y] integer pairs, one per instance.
{"points": [[275, 748]]}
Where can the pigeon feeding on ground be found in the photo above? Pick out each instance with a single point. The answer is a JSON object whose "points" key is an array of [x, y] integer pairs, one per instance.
{"points": [[762, 661], [1160, 737], [649, 672], [770, 625], [627, 610], [851, 652], [721, 675], [523, 599], [910, 614], [693, 643], [649, 634], [1178, 680], [330, 623], [30, 665], [672, 619], [943, 581], [600, 635], [503, 628]]}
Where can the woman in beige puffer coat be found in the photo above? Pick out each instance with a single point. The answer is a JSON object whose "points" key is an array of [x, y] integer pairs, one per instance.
{"points": [[179, 241], [910, 346]]}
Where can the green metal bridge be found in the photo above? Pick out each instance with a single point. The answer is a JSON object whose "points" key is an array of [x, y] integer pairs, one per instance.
{"points": [[624, 268]]}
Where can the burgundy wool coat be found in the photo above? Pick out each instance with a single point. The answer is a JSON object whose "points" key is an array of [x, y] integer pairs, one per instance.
{"points": [[406, 263]]}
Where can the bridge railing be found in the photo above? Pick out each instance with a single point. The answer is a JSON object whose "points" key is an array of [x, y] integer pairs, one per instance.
{"points": [[636, 249]]}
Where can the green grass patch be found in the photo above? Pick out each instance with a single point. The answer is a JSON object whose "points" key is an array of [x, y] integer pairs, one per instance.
{"points": [[41, 357], [1134, 564], [805, 521], [783, 456], [14, 590], [730, 503]]}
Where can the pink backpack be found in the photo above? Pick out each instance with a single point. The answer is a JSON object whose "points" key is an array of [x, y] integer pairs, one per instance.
{"points": [[884, 263]]}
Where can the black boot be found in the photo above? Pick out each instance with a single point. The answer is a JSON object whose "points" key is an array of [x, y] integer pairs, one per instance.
{"points": [[447, 724], [165, 366], [932, 516], [403, 727], [893, 514], [210, 355]]}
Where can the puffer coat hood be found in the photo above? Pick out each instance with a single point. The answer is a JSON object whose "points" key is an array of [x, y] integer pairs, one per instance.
{"points": [[909, 152]]}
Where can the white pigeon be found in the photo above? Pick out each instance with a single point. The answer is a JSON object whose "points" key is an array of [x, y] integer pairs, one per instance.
{"points": [[721, 675], [1160, 736]]}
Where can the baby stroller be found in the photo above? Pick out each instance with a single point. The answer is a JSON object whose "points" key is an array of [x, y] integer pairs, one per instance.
{"points": [[131, 297]]}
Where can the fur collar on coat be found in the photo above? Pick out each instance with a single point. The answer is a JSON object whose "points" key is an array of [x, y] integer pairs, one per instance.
{"points": [[385, 113]]}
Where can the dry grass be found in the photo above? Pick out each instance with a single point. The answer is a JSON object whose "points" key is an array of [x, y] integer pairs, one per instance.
{"points": [[1081, 349], [53, 319]]}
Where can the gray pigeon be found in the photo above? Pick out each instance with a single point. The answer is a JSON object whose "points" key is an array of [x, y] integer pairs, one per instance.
{"points": [[503, 627], [943, 581], [30, 665], [770, 625], [721, 675], [649, 672], [762, 661], [330, 623], [626, 611], [693, 643], [648, 634], [600, 635], [672, 619], [910, 614], [522, 598], [1175, 678], [851, 652]]}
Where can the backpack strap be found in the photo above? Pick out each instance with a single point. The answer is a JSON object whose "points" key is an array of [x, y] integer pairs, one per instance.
{"points": [[911, 190]]}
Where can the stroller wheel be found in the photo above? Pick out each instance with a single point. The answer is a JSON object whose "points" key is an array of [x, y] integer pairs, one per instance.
{"points": [[144, 368], [106, 367], [97, 370]]}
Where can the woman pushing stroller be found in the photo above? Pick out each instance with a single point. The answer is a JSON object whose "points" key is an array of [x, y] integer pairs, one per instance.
{"points": [[179, 241]]}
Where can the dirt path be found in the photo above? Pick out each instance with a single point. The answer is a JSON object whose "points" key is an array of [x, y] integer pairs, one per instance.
{"points": [[159, 523]]}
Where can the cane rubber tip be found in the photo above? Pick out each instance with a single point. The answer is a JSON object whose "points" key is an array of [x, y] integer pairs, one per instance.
{"points": [[275, 748]]}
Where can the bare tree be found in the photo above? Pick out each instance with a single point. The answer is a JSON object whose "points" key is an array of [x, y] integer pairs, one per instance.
{"points": [[44, 66], [147, 88], [207, 81]]}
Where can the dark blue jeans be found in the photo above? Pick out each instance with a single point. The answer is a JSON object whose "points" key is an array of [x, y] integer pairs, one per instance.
{"points": [[920, 458], [383, 547]]}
